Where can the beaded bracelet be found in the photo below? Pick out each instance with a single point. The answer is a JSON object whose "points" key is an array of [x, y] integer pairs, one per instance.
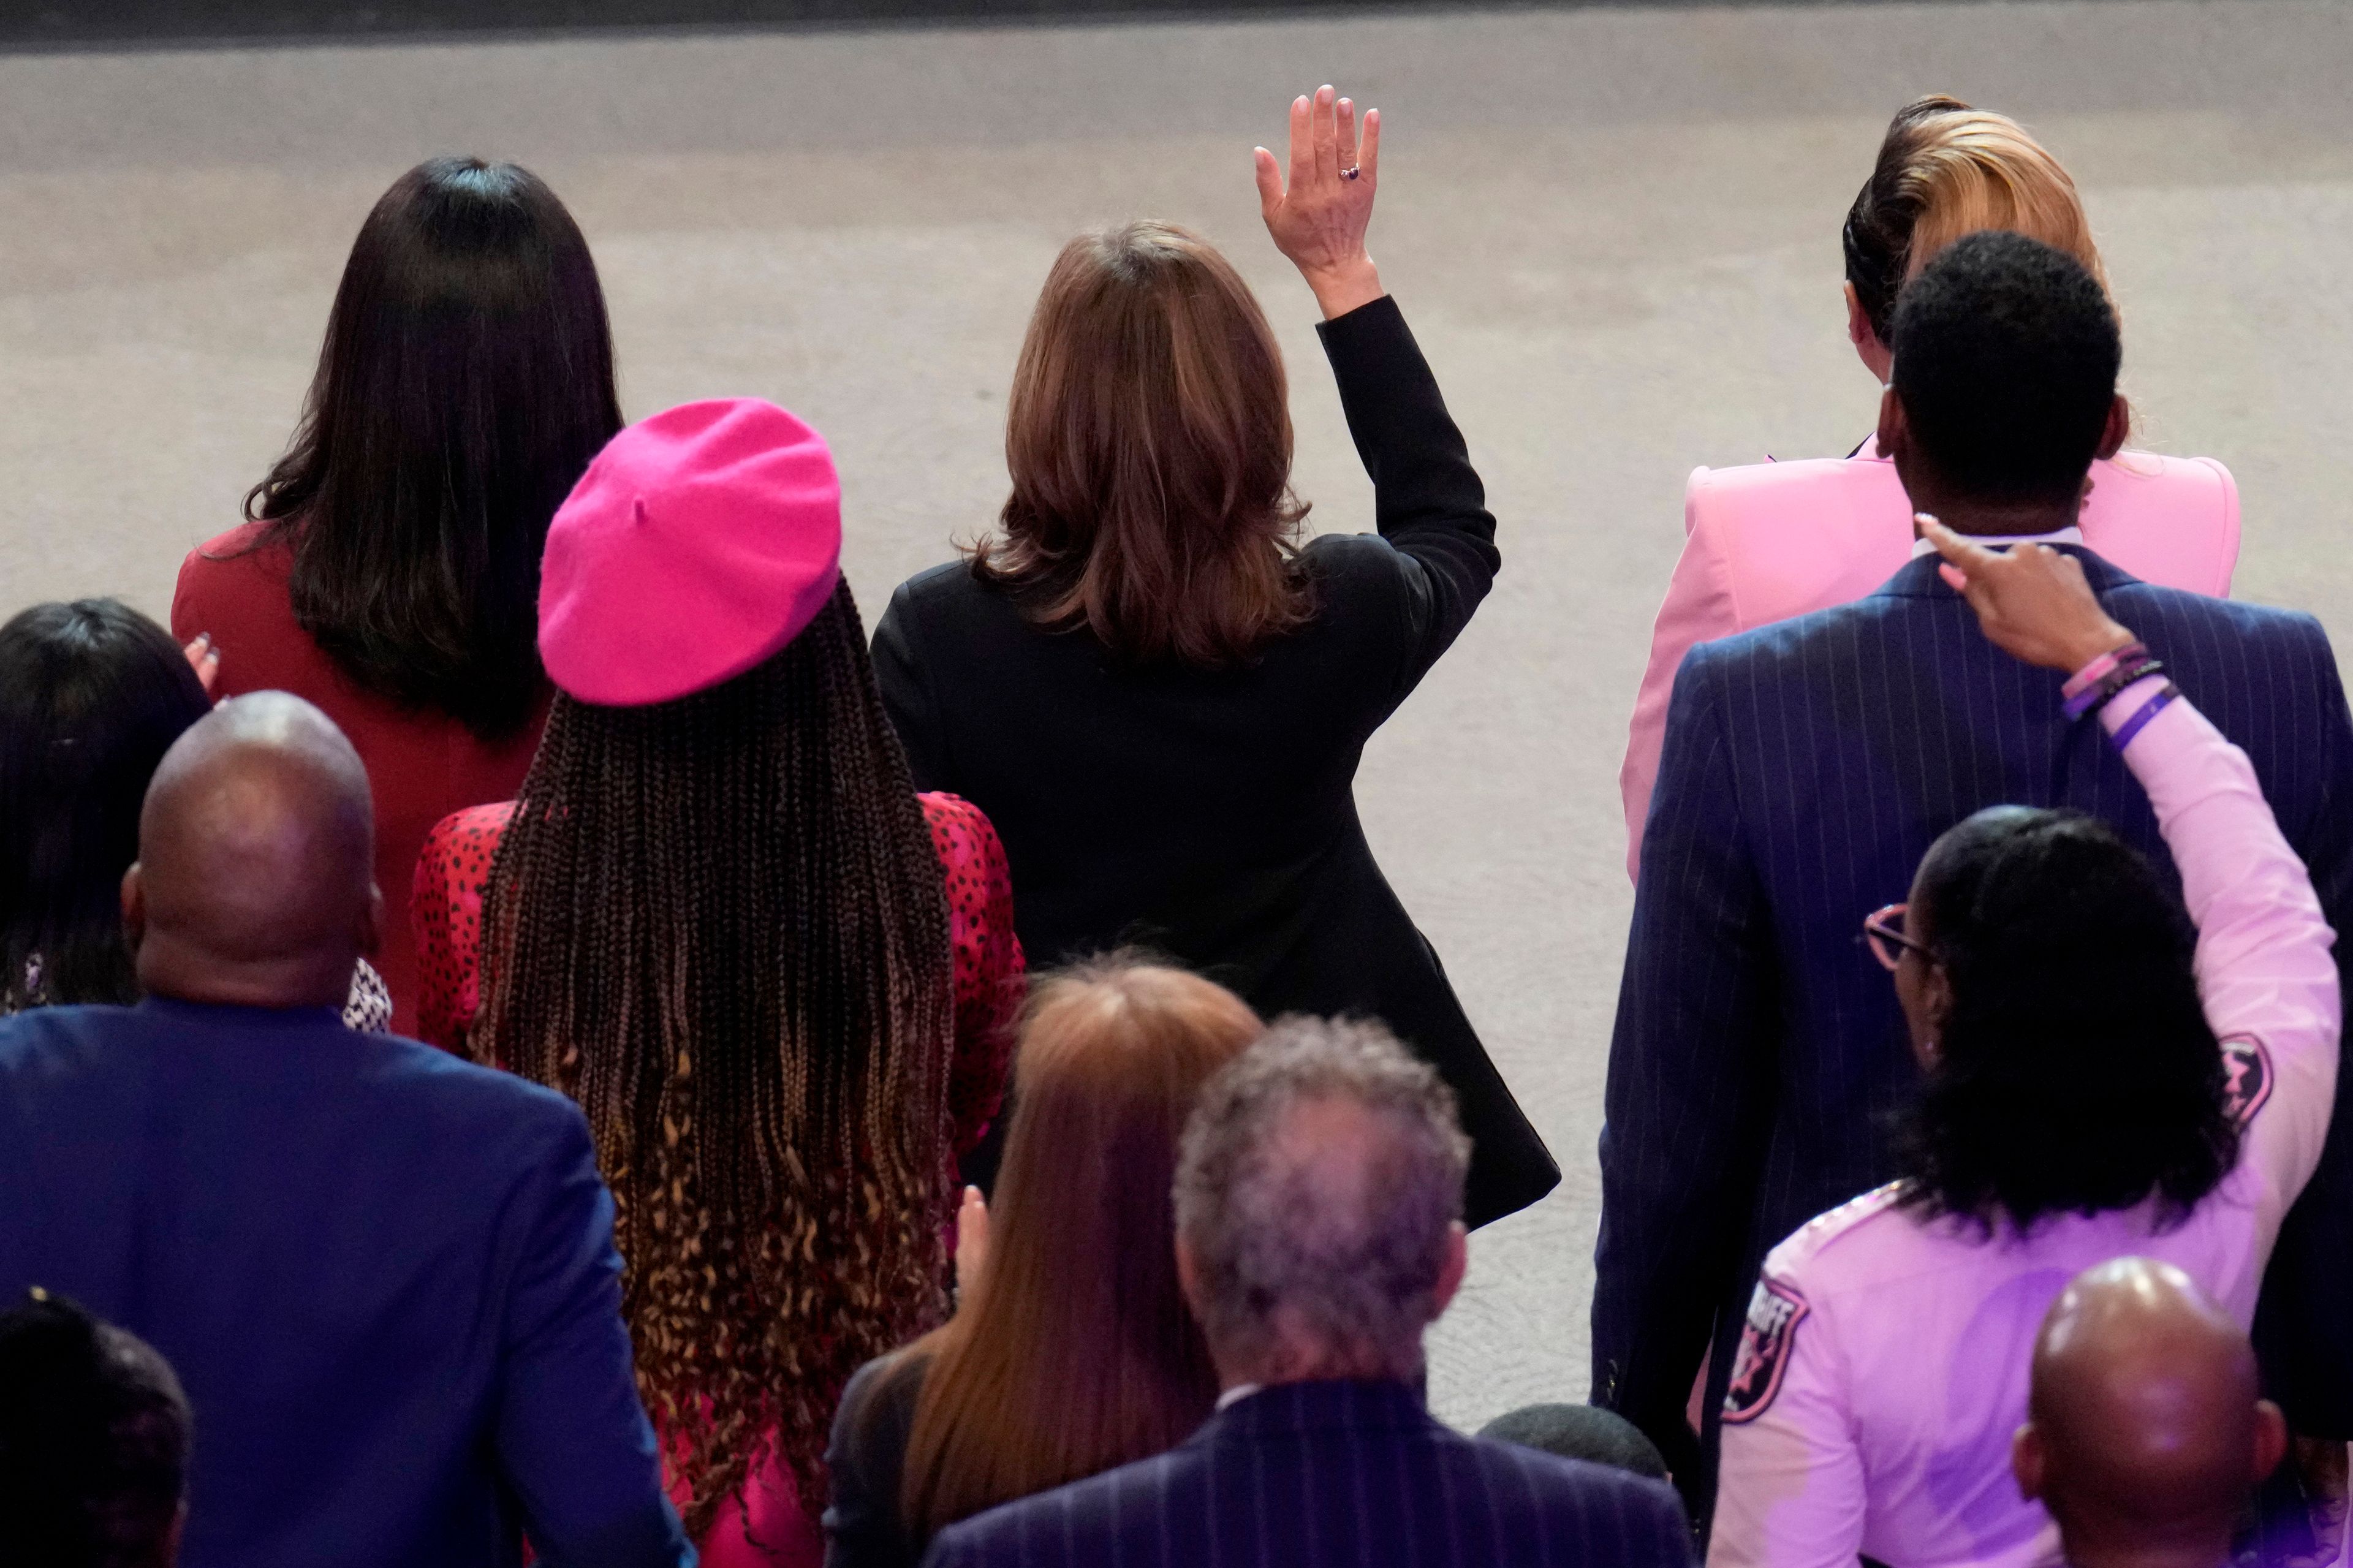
{"points": [[2085, 678], [2140, 722], [2125, 672]]}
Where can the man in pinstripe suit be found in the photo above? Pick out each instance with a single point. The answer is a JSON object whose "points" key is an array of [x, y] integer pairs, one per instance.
{"points": [[1319, 1203], [1809, 764]]}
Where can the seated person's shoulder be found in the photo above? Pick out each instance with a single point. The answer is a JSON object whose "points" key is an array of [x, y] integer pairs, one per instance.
{"points": [[947, 589], [2181, 606], [1085, 1517], [1353, 563], [229, 561], [1800, 643], [51, 1043], [477, 1114], [1846, 1245]]}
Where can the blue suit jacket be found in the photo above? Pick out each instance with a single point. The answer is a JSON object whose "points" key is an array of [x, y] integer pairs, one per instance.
{"points": [[385, 1278], [1759, 1047], [1332, 1475]]}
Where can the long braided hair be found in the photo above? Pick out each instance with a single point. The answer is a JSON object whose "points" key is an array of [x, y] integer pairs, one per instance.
{"points": [[719, 924]]}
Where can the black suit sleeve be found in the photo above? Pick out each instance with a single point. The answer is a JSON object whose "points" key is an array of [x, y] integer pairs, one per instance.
{"points": [[1427, 501], [1669, 1530], [866, 1461], [908, 697], [2300, 1323], [1689, 1081]]}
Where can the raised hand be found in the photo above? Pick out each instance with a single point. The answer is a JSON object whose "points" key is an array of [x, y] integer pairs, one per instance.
{"points": [[204, 659], [971, 1242], [2034, 602], [1319, 218]]}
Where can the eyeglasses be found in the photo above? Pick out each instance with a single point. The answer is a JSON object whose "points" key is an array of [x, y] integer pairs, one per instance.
{"points": [[1884, 930]]}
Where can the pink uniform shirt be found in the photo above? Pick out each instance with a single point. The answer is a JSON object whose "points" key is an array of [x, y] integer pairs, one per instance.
{"points": [[1885, 1363], [1771, 540]]}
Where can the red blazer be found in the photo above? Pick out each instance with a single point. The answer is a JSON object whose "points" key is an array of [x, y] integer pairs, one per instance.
{"points": [[421, 764]]}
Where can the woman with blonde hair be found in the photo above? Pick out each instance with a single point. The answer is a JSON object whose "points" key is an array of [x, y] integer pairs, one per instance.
{"points": [[1772, 539], [1153, 687], [1072, 1352]]}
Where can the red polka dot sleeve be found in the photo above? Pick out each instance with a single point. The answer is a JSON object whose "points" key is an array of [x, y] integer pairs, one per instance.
{"points": [[989, 968], [445, 914]]}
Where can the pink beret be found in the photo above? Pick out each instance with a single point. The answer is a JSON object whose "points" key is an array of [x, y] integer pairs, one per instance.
{"points": [[697, 543]]}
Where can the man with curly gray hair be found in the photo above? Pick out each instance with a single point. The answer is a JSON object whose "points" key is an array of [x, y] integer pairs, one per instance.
{"points": [[1319, 1232], [1319, 1206]]}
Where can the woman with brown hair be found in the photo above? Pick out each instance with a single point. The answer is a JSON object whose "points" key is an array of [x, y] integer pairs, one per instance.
{"points": [[1072, 1352], [780, 982], [1154, 689]]}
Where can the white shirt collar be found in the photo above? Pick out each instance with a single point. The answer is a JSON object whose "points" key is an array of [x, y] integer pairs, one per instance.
{"points": [[1239, 1393], [2002, 542]]}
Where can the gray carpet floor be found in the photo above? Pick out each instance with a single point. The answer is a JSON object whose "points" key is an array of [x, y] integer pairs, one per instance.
{"points": [[1615, 233]]}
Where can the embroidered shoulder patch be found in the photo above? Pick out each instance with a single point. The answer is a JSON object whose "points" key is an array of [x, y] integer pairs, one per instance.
{"points": [[1765, 1341], [2246, 1077]]}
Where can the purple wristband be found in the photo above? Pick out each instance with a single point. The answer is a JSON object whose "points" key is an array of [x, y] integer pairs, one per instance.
{"points": [[2127, 673], [2140, 722]]}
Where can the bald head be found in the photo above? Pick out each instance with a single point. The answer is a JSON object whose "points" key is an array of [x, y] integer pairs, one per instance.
{"points": [[2147, 1429], [255, 882]]}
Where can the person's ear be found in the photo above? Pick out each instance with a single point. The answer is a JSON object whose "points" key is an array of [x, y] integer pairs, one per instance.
{"points": [[1937, 988], [1189, 1275], [1450, 1270], [2027, 1462], [2271, 1439], [1865, 337], [134, 909], [371, 931], [2119, 426], [1894, 428], [1937, 995]]}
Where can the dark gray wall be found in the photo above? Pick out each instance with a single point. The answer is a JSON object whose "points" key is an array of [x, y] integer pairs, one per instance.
{"points": [[38, 23]]}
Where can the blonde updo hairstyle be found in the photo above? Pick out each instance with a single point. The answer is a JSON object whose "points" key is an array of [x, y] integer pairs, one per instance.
{"points": [[1945, 169]]}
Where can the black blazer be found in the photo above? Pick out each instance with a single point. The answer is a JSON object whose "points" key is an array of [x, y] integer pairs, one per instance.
{"points": [[865, 1461], [1807, 767], [1334, 1475], [1209, 815]]}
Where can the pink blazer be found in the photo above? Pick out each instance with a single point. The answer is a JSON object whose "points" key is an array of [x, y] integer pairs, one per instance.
{"points": [[1775, 540]]}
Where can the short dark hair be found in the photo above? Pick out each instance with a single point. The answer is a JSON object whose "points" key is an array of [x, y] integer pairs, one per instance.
{"points": [[93, 1440], [93, 694], [2077, 1072], [465, 383], [2006, 359]]}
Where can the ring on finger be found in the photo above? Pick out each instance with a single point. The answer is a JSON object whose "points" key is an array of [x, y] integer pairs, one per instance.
{"points": [[1351, 171]]}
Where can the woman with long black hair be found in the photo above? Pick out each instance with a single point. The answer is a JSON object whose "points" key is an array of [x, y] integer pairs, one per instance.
{"points": [[93, 694], [781, 983], [389, 570]]}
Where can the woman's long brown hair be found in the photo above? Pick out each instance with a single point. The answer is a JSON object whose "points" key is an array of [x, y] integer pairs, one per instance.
{"points": [[1074, 1352], [719, 924], [1148, 434]]}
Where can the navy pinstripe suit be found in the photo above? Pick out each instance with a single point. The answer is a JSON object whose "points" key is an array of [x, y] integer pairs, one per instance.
{"points": [[1332, 1475], [1807, 767]]}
